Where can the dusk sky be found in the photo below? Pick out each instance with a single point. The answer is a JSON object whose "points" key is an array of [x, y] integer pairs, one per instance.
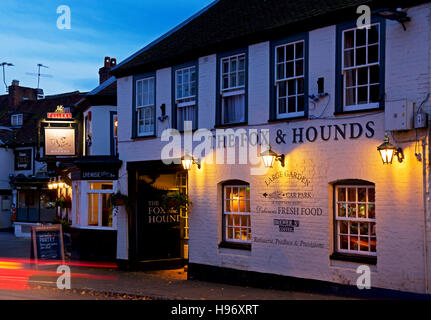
{"points": [[29, 35]]}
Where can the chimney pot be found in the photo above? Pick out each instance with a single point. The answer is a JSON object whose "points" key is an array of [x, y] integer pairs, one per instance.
{"points": [[107, 62], [15, 83]]}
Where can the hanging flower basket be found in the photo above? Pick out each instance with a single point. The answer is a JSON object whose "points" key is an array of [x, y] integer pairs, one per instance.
{"points": [[118, 199], [175, 201]]}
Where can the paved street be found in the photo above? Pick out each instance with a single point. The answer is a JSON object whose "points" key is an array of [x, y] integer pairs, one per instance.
{"points": [[108, 283]]}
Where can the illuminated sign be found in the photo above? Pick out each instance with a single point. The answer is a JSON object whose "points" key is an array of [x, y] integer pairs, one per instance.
{"points": [[59, 141], [59, 114]]}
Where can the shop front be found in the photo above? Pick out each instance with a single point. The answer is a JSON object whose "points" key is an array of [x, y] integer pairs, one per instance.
{"points": [[158, 216], [94, 216]]}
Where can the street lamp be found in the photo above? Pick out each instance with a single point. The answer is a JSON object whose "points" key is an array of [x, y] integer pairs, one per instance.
{"points": [[387, 151], [270, 156], [393, 14]]}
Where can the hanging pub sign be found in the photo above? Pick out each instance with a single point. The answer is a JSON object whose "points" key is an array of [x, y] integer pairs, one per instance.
{"points": [[23, 159], [59, 141], [60, 113]]}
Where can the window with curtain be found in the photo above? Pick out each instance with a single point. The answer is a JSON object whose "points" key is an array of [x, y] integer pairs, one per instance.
{"points": [[99, 204], [145, 104], [355, 219], [185, 96], [289, 79], [236, 213], [232, 78], [361, 68]]}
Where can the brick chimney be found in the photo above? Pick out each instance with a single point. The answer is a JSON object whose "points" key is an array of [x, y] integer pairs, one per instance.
{"points": [[18, 94], [104, 71]]}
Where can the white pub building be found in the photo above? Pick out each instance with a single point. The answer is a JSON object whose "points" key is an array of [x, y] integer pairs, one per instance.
{"points": [[328, 127]]}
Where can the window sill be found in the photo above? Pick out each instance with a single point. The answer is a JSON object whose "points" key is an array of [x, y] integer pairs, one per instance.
{"points": [[372, 260], [304, 117], [229, 125], [369, 110], [234, 245], [144, 137]]}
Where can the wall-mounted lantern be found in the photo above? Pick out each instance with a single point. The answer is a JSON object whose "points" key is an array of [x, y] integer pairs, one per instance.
{"points": [[270, 156], [387, 151], [187, 161]]}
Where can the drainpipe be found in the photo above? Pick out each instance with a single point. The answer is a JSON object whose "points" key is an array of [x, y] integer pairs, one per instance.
{"points": [[426, 194]]}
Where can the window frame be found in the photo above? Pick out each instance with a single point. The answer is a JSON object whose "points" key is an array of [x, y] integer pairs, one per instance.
{"points": [[174, 107], [231, 91], [353, 255], [135, 128], [17, 120], [100, 213], [274, 112], [340, 107], [114, 137], [235, 243]]}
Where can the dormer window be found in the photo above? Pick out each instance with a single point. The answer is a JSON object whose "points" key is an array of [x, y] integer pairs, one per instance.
{"points": [[16, 120]]}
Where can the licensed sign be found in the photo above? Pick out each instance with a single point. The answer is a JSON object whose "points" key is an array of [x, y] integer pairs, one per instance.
{"points": [[59, 141]]}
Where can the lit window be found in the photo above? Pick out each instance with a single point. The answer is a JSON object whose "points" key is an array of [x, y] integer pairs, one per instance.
{"points": [[355, 216], [361, 68], [232, 80], [289, 79], [185, 96], [17, 120], [236, 213], [99, 205], [145, 106]]}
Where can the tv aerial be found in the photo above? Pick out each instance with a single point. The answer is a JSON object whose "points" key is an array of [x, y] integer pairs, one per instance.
{"points": [[5, 64], [38, 74]]}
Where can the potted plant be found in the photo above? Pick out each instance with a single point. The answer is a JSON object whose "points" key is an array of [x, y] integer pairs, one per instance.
{"points": [[60, 202], [175, 201]]}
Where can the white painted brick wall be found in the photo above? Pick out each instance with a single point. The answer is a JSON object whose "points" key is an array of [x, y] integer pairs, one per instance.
{"points": [[399, 202]]}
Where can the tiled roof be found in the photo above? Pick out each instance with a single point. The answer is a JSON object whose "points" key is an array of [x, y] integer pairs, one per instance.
{"points": [[32, 112], [229, 24]]}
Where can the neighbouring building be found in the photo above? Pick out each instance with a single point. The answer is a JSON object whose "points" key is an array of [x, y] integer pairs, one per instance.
{"points": [[94, 220], [25, 174], [301, 77]]}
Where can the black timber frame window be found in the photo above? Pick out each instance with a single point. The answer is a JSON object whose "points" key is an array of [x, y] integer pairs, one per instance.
{"points": [[185, 87], [354, 221], [236, 215], [232, 88], [144, 110], [289, 77], [360, 67]]}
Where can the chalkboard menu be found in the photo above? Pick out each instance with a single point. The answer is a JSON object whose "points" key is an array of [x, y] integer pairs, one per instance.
{"points": [[47, 243]]}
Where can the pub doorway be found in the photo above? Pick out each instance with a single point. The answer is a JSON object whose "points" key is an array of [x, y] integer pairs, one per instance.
{"points": [[160, 223]]}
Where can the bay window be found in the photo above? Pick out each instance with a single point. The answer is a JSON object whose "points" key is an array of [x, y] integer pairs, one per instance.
{"points": [[99, 204]]}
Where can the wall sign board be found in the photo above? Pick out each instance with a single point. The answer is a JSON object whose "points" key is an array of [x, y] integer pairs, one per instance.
{"points": [[23, 159], [59, 141]]}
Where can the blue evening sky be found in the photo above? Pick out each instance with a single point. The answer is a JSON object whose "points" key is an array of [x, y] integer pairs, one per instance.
{"points": [[29, 35]]}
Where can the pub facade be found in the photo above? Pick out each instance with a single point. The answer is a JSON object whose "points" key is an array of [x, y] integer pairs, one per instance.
{"points": [[301, 145]]}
